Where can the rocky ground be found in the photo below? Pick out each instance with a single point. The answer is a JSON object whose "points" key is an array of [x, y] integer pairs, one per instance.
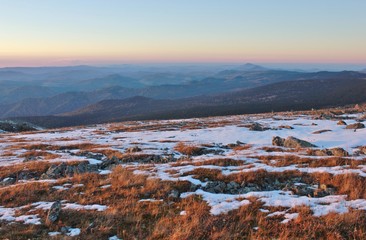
{"points": [[283, 175]]}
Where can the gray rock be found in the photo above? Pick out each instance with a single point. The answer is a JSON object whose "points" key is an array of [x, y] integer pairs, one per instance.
{"points": [[215, 187], [56, 171], [278, 141], [257, 127], [53, 213], [174, 194], [292, 142], [7, 181]]}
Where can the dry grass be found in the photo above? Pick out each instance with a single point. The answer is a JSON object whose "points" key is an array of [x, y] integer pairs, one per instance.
{"points": [[36, 167], [216, 162], [187, 149], [130, 219], [287, 160], [34, 154]]}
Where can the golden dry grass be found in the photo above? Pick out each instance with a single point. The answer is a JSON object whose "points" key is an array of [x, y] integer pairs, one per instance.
{"points": [[187, 149]]}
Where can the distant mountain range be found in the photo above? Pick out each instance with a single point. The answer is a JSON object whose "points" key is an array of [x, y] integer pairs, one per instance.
{"points": [[281, 96], [58, 96]]}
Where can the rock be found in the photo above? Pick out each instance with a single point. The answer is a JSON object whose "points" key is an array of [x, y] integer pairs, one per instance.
{"points": [[109, 163], [64, 170], [133, 149], [302, 190], [278, 141], [355, 126], [64, 229], [97, 156], [341, 122], [292, 142], [193, 187], [53, 213], [233, 145], [10, 126], [7, 181], [215, 187], [285, 127], [27, 175], [339, 152], [174, 194], [257, 127], [322, 131], [55, 171]]}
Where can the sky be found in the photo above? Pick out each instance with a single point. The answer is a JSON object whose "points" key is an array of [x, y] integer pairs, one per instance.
{"points": [[74, 32]]}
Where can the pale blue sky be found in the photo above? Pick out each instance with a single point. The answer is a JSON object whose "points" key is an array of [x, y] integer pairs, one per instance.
{"points": [[102, 31]]}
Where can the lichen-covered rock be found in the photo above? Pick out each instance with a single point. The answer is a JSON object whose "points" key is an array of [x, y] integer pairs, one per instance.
{"points": [[278, 141], [53, 213], [291, 142], [257, 127]]}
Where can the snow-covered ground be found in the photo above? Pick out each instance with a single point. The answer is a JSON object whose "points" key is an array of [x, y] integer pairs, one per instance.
{"points": [[160, 138]]}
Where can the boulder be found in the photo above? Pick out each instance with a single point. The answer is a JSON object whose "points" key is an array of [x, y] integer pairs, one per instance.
{"points": [[53, 213], [355, 126], [278, 141], [64, 170], [55, 171], [339, 152], [7, 181], [257, 127], [291, 142], [215, 187]]}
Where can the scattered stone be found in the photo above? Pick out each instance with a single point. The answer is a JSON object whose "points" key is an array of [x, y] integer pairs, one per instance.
{"points": [[285, 127], [337, 152], [174, 194], [233, 145], [355, 126], [278, 141], [215, 187], [28, 175], [10, 126], [133, 149], [7, 181], [53, 213], [97, 156], [322, 131], [257, 127], [341, 122], [291, 142], [64, 170]]}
